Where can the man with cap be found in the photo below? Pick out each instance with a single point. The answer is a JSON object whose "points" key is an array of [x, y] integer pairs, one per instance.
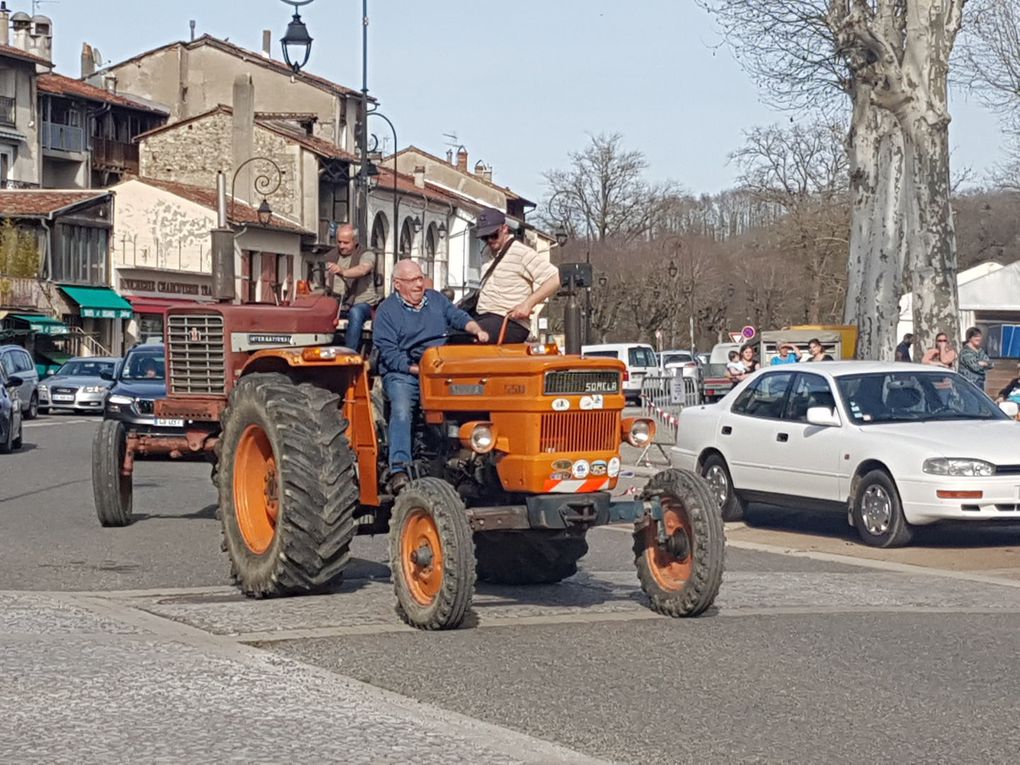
{"points": [[516, 281]]}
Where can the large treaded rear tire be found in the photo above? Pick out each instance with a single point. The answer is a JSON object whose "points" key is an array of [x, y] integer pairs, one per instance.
{"points": [[313, 490], [681, 586], [429, 519], [112, 491], [528, 557]]}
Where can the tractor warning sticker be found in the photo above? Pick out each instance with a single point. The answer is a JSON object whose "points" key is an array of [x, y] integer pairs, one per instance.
{"points": [[614, 467], [560, 404], [581, 469], [592, 402]]}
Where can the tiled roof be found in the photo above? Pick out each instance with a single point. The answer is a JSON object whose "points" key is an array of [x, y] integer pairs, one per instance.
{"points": [[510, 194], [58, 84], [43, 203], [12, 52], [406, 184], [251, 56], [238, 213]]}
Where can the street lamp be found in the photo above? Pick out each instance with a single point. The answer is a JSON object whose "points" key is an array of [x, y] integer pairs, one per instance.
{"points": [[560, 234], [603, 281], [441, 231], [265, 212], [296, 43], [264, 184], [417, 224], [672, 270]]}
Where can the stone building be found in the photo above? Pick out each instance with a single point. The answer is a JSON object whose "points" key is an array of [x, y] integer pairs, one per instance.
{"points": [[23, 55]]}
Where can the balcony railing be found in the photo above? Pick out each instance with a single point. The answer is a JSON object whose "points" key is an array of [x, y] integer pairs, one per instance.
{"points": [[62, 137], [7, 115], [117, 155]]}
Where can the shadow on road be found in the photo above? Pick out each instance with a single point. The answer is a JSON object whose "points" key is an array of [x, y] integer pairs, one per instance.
{"points": [[203, 514]]}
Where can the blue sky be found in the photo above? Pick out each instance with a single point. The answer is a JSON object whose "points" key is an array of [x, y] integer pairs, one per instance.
{"points": [[521, 84]]}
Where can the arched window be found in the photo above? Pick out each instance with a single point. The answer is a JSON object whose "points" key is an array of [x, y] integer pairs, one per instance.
{"points": [[379, 234], [406, 240], [429, 261]]}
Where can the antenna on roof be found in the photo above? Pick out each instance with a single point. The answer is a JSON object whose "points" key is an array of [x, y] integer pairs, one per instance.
{"points": [[192, 25], [37, 3]]}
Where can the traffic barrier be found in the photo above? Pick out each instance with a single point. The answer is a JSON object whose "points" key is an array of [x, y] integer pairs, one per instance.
{"points": [[662, 399]]}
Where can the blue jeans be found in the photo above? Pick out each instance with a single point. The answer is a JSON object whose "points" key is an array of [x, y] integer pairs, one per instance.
{"points": [[403, 392], [358, 314]]}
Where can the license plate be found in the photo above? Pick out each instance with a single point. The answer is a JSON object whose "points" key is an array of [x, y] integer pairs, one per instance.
{"points": [[169, 422], [59, 397]]}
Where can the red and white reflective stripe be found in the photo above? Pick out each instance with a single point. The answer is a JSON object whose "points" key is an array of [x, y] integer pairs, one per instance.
{"points": [[575, 486]]}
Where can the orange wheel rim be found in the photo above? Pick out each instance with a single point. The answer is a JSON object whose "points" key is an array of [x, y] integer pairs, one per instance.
{"points": [[422, 556], [670, 572], [256, 489]]}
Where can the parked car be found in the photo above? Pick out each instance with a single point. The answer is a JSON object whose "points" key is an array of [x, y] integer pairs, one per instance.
{"points": [[17, 362], [894, 446], [10, 412], [139, 382], [79, 385], [639, 358]]}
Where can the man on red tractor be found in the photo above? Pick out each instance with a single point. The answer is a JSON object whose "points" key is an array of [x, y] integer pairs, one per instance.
{"points": [[357, 269]]}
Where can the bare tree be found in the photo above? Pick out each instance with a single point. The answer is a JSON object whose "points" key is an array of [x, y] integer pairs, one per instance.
{"points": [[603, 194], [890, 58]]}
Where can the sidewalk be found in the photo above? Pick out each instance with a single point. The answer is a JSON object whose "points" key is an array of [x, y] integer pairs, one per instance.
{"points": [[85, 679]]}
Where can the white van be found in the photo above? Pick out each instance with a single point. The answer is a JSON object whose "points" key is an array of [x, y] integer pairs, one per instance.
{"points": [[639, 358]]}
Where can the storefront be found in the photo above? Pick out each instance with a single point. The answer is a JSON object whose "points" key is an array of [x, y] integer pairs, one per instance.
{"points": [[101, 313], [152, 293]]}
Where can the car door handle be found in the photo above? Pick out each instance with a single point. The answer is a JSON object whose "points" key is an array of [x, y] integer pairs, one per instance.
{"points": [[726, 430], [783, 437]]}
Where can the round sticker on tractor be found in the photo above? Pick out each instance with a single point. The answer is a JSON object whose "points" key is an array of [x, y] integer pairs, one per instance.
{"points": [[581, 468], [598, 468], [592, 402], [614, 467], [561, 465], [560, 404]]}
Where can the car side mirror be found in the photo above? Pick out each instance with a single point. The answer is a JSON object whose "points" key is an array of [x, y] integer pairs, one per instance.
{"points": [[823, 416], [13, 381], [106, 374], [1010, 408]]}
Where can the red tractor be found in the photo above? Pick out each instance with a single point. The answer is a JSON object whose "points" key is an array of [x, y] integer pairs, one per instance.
{"points": [[517, 457]]}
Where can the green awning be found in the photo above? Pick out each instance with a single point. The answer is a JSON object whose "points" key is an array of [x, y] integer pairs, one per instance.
{"points": [[45, 325], [98, 302]]}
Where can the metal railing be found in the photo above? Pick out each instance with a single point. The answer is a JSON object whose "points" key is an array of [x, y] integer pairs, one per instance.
{"points": [[81, 343], [8, 115], [62, 137], [662, 399]]}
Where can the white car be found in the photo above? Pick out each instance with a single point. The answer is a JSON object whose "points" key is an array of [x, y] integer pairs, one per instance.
{"points": [[892, 445]]}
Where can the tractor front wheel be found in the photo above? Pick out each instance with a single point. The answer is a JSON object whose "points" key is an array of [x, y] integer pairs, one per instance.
{"points": [[681, 568], [287, 487], [112, 491], [432, 555]]}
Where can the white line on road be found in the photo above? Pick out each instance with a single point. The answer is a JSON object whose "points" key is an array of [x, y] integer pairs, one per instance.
{"points": [[48, 423]]}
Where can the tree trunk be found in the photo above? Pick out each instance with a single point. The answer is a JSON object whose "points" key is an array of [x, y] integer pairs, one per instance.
{"points": [[875, 264]]}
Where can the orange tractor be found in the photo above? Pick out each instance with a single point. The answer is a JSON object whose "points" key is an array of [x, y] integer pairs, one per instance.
{"points": [[517, 456]]}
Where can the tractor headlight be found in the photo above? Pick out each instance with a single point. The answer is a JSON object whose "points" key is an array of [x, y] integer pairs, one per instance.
{"points": [[479, 437], [957, 466], [638, 431]]}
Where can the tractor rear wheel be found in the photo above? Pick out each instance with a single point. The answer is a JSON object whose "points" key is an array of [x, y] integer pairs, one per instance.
{"points": [[111, 489], [680, 571], [528, 557], [432, 555], [287, 486]]}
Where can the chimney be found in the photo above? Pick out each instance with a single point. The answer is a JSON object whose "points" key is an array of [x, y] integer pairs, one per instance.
{"points": [[88, 61], [243, 134], [42, 37], [110, 82], [462, 158], [419, 176], [21, 22], [487, 173], [5, 24], [449, 156], [267, 43]]}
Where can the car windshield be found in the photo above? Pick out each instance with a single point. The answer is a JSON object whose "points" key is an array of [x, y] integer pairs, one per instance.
{"points": [[642, 357], [914, 397], [144, 365], [601, 354], [86, 368], [675, 358]]}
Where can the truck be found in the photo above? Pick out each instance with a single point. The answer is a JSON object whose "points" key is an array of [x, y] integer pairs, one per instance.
{"points": [[714, 383]]}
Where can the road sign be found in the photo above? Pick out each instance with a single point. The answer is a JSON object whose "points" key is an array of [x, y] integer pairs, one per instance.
{"points": [[736, 337], [748, 332]]}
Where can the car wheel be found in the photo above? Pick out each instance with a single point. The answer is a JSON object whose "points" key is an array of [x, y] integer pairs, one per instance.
{"points": [[877, 512], [714, 471], [7, 445], [16, 442], [33, 407]]}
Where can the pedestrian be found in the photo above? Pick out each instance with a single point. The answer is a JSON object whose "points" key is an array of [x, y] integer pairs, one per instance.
{"points": [[903, 349], [1011, 390], [734, 367], [516, 282], [357, 269], [816, 352], [448, 293], [408, 322], [788, 354], [942, 355], [974, 362], [748, 360]]}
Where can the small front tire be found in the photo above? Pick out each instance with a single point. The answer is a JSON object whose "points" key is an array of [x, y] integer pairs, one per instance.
{"points": [[112, 490], [878, 513]]}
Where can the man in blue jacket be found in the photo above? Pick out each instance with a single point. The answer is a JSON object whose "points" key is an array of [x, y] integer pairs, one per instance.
{"points": [[410, 320]]}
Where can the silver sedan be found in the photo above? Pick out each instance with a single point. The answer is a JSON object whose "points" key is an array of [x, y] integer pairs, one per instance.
{"points": [[80, 385]]}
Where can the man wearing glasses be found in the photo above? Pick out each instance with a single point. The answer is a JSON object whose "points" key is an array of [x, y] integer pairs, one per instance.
{"points": [[942, 355], [516, 281], [409, 321]]}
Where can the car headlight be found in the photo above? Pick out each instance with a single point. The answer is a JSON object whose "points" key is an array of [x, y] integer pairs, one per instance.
{"points": [[44, 388], [116, 398], [958, 466], [93, 389]]}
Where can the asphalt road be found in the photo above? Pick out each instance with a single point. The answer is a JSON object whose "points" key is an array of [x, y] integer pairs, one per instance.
{"points": [[814, 656]]}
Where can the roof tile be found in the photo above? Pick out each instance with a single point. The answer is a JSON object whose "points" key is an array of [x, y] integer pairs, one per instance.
{"points": [[58, 84], [43, 202]]}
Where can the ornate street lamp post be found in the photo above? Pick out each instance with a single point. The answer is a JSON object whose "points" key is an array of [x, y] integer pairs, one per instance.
{"points": [[296, 42]]}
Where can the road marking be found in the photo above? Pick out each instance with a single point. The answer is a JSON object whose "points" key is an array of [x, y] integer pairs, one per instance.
{"points": [[48, 423]]}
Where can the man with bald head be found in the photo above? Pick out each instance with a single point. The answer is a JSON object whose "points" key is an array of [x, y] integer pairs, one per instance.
{"points": [[356, 267], [410, 320]]}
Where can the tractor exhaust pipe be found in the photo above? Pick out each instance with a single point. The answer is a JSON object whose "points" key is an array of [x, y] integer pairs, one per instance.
{"points": [[574, 277], [222, 247]]}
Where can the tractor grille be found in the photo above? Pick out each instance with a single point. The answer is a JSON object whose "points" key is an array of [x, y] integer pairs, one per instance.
{"points": [[196, 354], [595, 431], [581, 382]]}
